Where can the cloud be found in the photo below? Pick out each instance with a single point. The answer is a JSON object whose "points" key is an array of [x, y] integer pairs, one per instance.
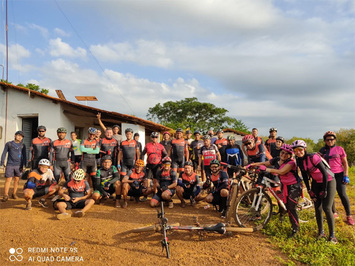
{"points": [[58, 48], [42, 30], [61, 32]]}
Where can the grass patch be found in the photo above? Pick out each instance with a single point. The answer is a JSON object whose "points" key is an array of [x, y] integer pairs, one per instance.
{"points": [[306, 248]]}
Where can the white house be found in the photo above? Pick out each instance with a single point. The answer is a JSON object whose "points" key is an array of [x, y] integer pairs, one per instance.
{"points": [[24, 109]]}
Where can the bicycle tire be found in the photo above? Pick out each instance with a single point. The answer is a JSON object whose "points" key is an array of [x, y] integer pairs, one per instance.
{"points": [[231, 202], [245, 213], [150, 228]]}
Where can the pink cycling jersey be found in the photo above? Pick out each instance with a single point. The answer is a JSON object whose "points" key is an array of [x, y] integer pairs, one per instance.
{"points": [[289, 178], [336, 154], [314, 171]]}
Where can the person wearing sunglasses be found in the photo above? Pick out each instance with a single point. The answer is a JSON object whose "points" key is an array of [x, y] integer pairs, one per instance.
{"points": [[76, 194], [39, 148], [285, 167], [337, 160], [256, 152], [322, 189]]}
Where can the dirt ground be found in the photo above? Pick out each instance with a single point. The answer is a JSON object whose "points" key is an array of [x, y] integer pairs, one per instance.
{"points": [[102, 237]]}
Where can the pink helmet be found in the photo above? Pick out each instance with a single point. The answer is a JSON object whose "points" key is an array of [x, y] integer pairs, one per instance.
{"points": [[299, 143], [329, 133], [287, 147], [247, 138]]}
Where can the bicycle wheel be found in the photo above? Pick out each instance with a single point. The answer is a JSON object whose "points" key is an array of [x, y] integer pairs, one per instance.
{"points": [[246, 212]]}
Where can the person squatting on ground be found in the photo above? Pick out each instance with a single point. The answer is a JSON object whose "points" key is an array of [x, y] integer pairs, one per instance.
{"points": [[135, 184], [188, 186], [107, 181], [286, 168], [61, 155], [76, 194], [39, 147], [323, 188], [220, 191], [337, 160], [40, 183], [165, 183], [16, 160]]}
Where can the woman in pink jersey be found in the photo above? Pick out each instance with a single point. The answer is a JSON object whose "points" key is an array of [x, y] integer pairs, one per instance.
{"points": [[285, 167], [322, 190], [336, 158]]}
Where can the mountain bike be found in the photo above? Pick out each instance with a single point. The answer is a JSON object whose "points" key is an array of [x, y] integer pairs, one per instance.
{"points": [[254, 207], [163, 227]]}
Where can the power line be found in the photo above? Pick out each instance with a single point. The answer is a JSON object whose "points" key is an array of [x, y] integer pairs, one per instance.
{"points": [[89, 51]]}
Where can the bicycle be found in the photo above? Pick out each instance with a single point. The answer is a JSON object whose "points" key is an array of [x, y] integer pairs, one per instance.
{"points": [[254, 207], [163, 227]]}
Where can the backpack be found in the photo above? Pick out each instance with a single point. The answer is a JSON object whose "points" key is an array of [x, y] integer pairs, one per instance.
{"points": [[325, 163]]}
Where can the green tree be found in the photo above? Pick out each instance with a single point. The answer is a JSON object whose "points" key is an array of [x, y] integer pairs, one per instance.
{"points": [[34, 87], [190, 113]]}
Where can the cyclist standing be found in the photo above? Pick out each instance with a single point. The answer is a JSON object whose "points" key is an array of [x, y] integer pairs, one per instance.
{"points": [[208, 152], [179, 151], [195, 149], [234, 155], [39, 148], [89, 148], [16, 160], [336, 157], [256, 152], [76, 147], [139, 145], [59, 155], [222, 145], [129, 153], [323, 186], [270, 142], [109, 146], [166, 142]]}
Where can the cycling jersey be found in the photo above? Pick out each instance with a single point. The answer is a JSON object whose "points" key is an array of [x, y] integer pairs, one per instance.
{"points": [[290, 177], [40, 148], [105, 178], [76, 147], [191, 180], [154, 152], [129, 150], [109, 147], [77, 190], [16, 154], [195, 152], [166, 144], [40, 179], [234, 155], [310, 165], [89, 149], [178, 149], [166, 178], [223, 142], [334, 155], [60, 150], [209, 154], [275, 152], [220, 181], [258, 154], [270, 144]]}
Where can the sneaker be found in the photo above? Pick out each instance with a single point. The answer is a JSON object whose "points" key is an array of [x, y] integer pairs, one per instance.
{"points": [[28, 206], [79, 214], [145, 198], [14, 196], [43, 203], [124, 206], [336, 215], [5, 198], [224, 214], [193, 202], [333, 240], [56, 197], [171, 204], [62, 216], [321, 236], [350, 220], [183, 204], [117, 203]]}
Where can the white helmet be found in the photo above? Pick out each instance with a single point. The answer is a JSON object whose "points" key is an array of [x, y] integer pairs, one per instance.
{"points": [[45, 162], [79, 174]]}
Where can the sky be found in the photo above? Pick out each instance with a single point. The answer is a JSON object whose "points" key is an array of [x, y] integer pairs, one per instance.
{"points": [[288, 64]]}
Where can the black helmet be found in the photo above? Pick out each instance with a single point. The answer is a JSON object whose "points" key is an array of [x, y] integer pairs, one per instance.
{"points": [[41, 127], [179, 130], [20, 133], [154, 135], [280, 138], [273, 129], [128, 130], [215, 161], [197, 132], [188, 163]]}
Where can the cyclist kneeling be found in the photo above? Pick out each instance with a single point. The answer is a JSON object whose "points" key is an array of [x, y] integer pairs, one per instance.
{"points": [[188, 185], [165, 182], [135, 184], [107, 181], [220, 191], [40, 182], [76, 194]]}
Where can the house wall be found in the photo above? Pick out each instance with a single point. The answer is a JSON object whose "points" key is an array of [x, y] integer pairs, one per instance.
{"points": [[21, 105]]}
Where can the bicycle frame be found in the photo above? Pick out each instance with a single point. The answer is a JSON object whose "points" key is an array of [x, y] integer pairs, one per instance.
{"points": [[266, 186]]}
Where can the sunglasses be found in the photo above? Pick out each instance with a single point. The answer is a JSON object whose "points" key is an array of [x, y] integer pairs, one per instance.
{"points": [[214, 166], [298, 149], [41, 131], [154, 137], [247, 144], [77, 181], [329, 139]]}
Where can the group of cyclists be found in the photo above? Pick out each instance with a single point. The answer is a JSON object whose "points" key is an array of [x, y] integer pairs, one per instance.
{"points": [[77, 173]]}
